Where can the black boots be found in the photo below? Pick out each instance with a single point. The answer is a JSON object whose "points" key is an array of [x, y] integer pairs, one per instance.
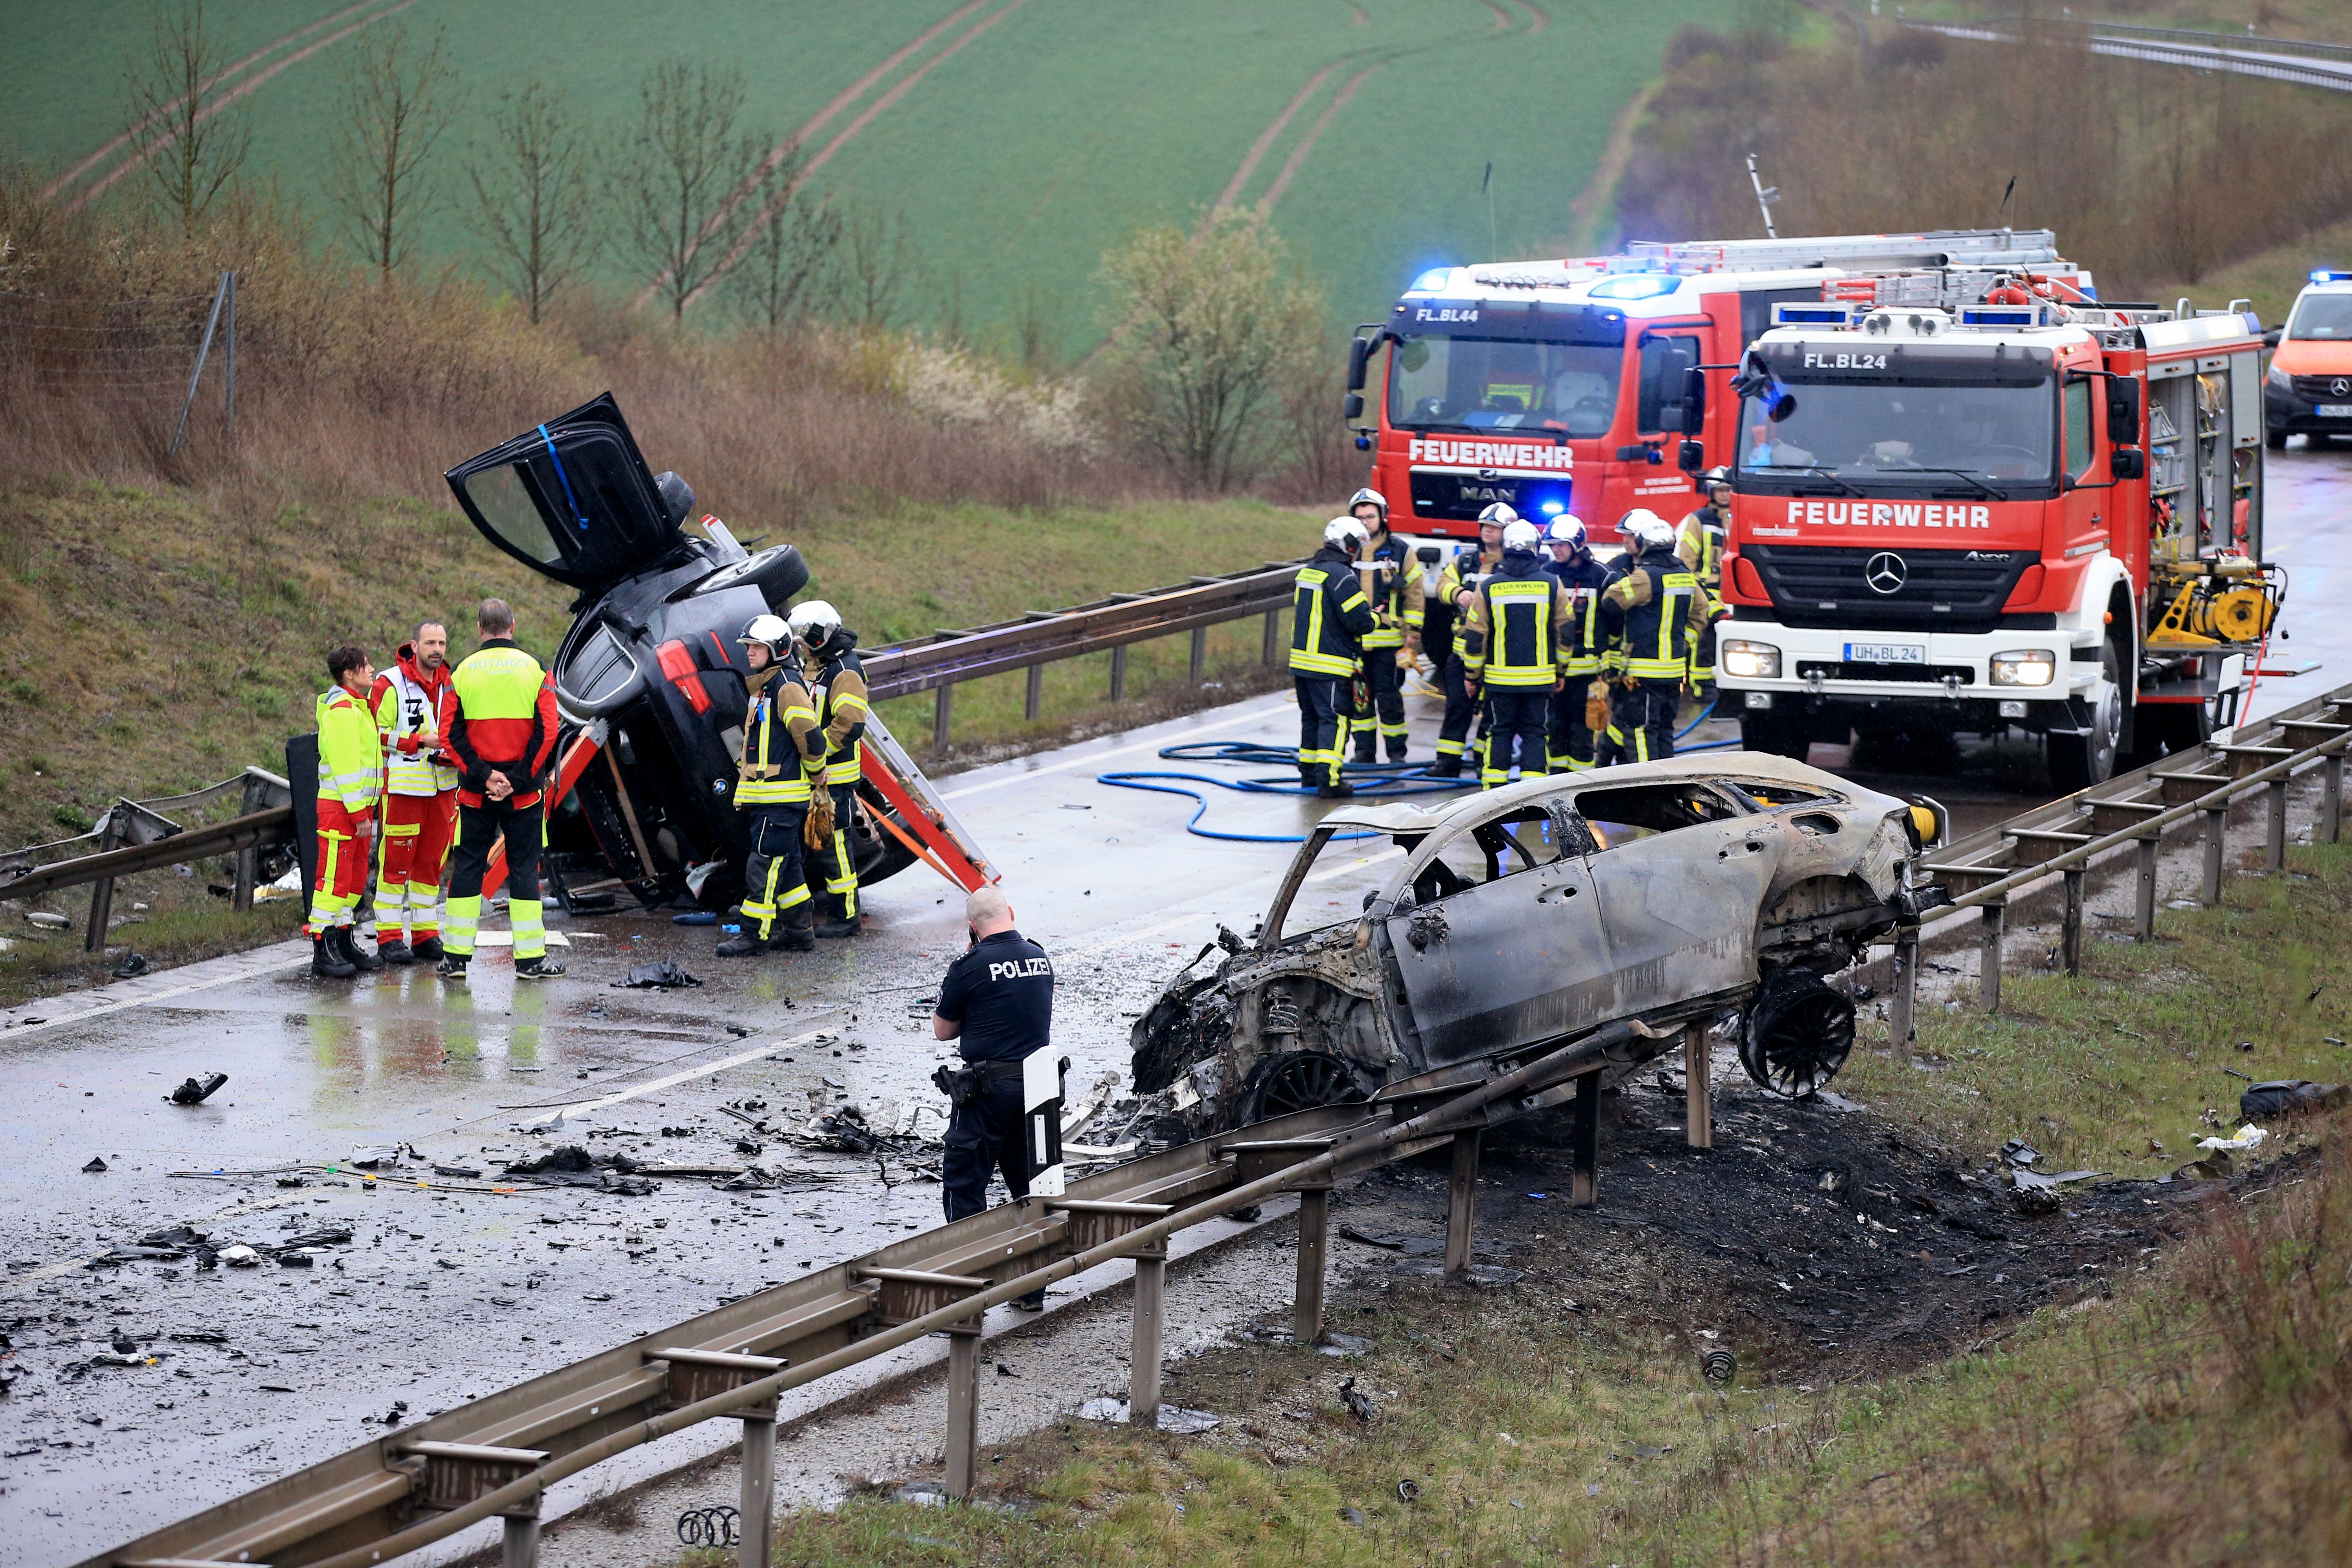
{"points": [[428, 950], [393, 950], [451, 967], [744, 944], [346, 941], [541, 968], [836, 922], [1445, 768], [327, 959], [794, 931]]}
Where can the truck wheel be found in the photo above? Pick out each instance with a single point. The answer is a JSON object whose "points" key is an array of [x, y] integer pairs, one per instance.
{"points": [[2275, 440], [1773, 735], [2078, 761]]}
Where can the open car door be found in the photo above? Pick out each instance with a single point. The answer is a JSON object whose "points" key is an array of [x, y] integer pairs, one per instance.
{"points": [[1501, 945], [572, 498]]}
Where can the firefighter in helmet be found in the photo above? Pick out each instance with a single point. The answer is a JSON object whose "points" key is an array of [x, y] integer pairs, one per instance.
{"points": [[780, 744], [1570, 736], [1698, 543], [1329, 619], [1393, 588], [1454, 678], [837, 687], [1658, 610], [1518, 619]]}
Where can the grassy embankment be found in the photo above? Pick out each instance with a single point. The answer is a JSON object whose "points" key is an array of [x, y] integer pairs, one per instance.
{"points": [[2196, 1417], [154, 640]]}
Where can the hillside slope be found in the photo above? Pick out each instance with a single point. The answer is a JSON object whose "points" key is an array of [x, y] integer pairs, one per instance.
{"points": [[1020, 138]]}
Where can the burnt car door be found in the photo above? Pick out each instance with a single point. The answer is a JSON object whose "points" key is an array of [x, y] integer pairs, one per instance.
{"points": [[572, 497], [1681, 867], [1497, 936]]}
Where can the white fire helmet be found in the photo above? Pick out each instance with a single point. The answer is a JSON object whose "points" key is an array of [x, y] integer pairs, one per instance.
{"points": [[1344, 533], [1567, 529], [815, 623], [1647, 530], [1520, 534], [770, 632], [1369, 496], [1498, 513]]}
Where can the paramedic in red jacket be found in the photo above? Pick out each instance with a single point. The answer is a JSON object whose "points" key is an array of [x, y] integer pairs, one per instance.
{"points": [[503, 736]]}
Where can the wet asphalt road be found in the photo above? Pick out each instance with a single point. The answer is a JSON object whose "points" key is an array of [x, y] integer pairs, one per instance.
{"points": [[441, 1294]]}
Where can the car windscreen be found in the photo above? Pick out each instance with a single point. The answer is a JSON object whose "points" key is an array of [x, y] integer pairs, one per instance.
{"points": [[1929, 436], [1631, 812], [2325, 318], [1479, 366]]}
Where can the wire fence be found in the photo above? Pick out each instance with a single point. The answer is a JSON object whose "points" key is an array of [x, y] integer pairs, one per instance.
{"points": [[149, 359]]}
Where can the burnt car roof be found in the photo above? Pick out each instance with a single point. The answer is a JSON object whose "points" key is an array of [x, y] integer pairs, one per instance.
{"points": [[1402, 818]]}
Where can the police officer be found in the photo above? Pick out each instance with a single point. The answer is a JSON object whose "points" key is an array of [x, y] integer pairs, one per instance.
{"points": [[1698, 543], [1661, 609], [1517, 619], [1393, 587], [997, 1004], [781, 744], [1329, 618], [837, 685], [1568, 739], [1453, 678]]}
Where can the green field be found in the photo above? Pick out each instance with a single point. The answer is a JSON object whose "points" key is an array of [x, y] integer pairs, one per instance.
{"points": [[1038, 134]]}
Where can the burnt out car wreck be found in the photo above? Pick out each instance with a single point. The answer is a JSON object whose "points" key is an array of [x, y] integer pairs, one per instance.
{"points": [[1664, 894]]}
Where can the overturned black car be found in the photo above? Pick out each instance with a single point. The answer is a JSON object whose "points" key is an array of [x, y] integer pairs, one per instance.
{"points": [[650, 674]]}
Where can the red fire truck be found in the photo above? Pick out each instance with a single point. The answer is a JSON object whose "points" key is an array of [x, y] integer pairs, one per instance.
{"points": [[1971, 499], [1560, 385]]}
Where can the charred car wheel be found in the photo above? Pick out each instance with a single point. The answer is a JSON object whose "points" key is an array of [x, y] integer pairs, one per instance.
{"points": [[1300, 1080], [1797, 1034]]}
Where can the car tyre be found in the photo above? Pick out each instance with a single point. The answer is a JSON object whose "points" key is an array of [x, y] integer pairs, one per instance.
{"points": [[1797, 1035], [2275, 440]]}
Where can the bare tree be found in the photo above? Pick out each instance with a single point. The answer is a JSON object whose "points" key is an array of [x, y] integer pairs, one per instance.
{"points": [[396, 103], [534, 201], [690, 184], [1207, 329], [879, 256], [190, 150], [790, 269]]}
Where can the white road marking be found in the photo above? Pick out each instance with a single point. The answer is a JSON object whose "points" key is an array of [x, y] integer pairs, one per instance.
{"points": [[582, 1108], [239, 966]]}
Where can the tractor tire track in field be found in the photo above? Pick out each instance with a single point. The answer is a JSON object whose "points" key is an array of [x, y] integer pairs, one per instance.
{"points": [[1266, 140], [210, 82], [906, 84], [1584, 211], [222, 101], [1314, 134]]}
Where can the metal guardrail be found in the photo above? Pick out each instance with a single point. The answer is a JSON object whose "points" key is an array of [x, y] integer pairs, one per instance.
{"points": [[2242, 55], [2133, 810], [134, 836], [497, 1456], [1109, 625]]}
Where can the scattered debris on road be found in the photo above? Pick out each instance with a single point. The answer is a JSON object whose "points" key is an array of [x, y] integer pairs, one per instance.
{"points": [[195, 1091], [664, 977]]}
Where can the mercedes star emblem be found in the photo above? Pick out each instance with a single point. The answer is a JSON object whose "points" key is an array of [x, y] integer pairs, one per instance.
{"points": [[1886, 573], [2340, 386]]}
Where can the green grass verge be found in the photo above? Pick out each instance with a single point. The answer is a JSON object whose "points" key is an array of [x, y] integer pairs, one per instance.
{"points": [[2195, 1417], [43, 962]]}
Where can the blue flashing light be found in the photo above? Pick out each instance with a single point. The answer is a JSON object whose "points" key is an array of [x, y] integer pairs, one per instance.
{"points": [[1635, 286], [2328, 275], [1552, 508], [1432, 280]]}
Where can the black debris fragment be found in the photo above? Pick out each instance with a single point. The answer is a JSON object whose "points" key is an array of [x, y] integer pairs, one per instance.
{"points": [[1360, 1405], [195, 1091], [570, 1166], [97, 1166], [2288, 1096], [664, 977]]}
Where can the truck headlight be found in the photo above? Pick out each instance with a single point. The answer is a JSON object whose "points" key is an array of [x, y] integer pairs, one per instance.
{"points": [[2280, 379], [1750, 661], [2025, 667]]}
